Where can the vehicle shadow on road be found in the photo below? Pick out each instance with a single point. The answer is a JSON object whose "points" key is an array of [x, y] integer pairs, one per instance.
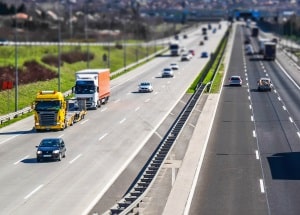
{"points": [[29, 160], [18, 132], [285, 166]]}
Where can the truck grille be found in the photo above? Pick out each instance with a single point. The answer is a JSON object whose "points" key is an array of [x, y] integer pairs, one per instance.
{"points": [[47, 118]]}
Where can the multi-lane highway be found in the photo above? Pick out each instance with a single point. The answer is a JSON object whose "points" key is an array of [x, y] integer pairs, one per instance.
{"points": [[251, 164], [100, 147]]}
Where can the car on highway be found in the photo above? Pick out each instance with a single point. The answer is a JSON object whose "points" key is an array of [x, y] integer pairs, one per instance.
{"points": [[167, 73], [145, 87], [192, 52], [174, 66], [186, 57], [205, 37], [201, 43], [264, 84], [204, 55], [51, 149], [235, 80]]}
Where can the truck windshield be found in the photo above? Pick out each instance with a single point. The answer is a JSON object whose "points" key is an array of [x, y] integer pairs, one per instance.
{"points": [[47, 105], [85, 87], [174, 46]]}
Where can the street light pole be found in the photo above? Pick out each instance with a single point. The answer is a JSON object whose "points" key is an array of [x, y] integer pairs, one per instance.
{"points": [[59, 49], [16, 61], [86, 35]]}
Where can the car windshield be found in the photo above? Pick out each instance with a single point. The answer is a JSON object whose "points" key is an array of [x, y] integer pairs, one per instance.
{"points": [[145, 84], [235, 78], [49, 143]]}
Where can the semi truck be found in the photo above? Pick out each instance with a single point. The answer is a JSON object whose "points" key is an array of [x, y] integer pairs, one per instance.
{"points": [[261, 44], [269, 51], [92, 85], [53, 112], [174, 48]]}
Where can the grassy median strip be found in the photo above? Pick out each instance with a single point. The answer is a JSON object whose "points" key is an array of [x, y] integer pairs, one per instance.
{"points": [[213, 70]]}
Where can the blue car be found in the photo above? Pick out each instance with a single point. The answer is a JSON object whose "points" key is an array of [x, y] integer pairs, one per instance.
{"points": [[204, 55]]}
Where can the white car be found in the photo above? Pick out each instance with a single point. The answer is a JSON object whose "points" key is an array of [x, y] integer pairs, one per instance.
{"points": [[186, 57], [145, 87], [235, 80], [174, 66], [167, 72]]}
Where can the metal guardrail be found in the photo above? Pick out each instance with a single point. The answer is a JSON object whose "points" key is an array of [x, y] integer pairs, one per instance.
{"points": [[132, 199]]}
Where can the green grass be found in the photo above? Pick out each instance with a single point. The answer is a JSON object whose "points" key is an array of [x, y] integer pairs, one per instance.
{"points": [[27, 93]]}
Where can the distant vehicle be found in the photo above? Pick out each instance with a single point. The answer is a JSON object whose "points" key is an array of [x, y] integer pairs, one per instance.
{"points": [[254, 31], [167, 72], [205, 37], [174, 66], [176, 37], [249, 49], [201, 43], [235, 80], [247, 40], [145, 87], [204, 55], [261, 44], [174, 48], [209, 26], [214, 30], [51, 148], [264, 84], [185, 36], [192, 52], [186, 57], [204, 31], [269, 52]]}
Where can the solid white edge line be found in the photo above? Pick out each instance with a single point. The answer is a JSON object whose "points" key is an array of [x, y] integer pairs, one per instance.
{"points": [[34, 191], [262, 187], [74, 159], [21, 159]]}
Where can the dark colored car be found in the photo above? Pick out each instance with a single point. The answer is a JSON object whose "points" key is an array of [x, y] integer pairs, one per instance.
{"points": [[204, 55], [51, 148]]}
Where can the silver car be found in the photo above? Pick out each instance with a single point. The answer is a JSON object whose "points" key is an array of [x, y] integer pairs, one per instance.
{"points": [[145, 87]]}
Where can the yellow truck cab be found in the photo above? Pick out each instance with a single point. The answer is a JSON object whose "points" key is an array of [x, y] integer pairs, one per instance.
{"points": [[49, 111]]}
